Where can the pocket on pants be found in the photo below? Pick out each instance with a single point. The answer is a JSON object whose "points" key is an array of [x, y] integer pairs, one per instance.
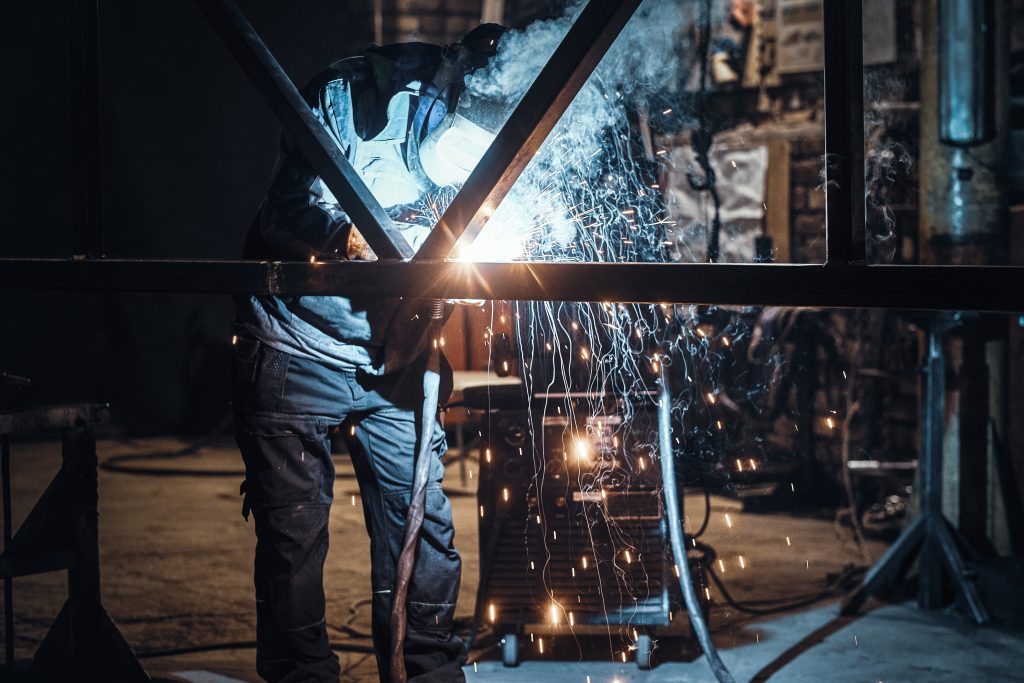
{"points": [[286, 462], [245, 360]]}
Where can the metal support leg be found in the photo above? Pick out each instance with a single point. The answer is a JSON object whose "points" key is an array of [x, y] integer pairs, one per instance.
{"points": [[961, 576], [83, 642], [930, 534], [890, 566], [929, 591], [79, 462], [5, 466]]}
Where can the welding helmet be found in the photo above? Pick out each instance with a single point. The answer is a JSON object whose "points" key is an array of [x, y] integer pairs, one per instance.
{"points": [[452, 149]]}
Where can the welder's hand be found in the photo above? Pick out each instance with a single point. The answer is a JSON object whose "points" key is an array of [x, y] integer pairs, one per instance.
{"points": [[357, 248]]}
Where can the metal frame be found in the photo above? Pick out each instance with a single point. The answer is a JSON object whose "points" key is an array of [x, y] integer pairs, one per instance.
{"points": [[62, 533], [988, 288], [843, 281]]}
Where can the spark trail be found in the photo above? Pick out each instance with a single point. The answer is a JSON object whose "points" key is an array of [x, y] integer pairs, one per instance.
{"points": [[593, 193]]}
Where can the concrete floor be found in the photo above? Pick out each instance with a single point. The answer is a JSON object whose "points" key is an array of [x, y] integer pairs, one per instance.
{"points": [[176, 559]]}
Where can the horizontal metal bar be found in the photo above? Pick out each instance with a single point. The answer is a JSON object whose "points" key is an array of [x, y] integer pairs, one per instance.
{"points": [[53, 417], [571, 64], [311, 138], [951, 288], [44, 562]]}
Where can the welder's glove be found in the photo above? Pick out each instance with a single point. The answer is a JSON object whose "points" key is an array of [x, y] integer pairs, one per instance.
{"points": [[357, 248]]}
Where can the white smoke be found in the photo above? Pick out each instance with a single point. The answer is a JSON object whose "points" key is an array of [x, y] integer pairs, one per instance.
{"points": [[646, 58]]}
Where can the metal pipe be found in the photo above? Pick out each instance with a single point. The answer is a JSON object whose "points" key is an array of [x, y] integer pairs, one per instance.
{"points": [[673, 513], [310, 137], [534, 117], [967, 72], [963, 201], [844, 132], [933, 391]]}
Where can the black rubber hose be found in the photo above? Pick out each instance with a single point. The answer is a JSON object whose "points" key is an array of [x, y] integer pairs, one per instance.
{"points": [[670, 491]]}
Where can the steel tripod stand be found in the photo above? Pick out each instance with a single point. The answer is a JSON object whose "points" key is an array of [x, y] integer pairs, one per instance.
{"points": [[930, 534]]}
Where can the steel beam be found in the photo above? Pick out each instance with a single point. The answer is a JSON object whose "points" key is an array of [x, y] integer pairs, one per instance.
{"points": [[951, 288], [53, 417], [309, 135], [87, 143], [844, 132], [579, 53]]}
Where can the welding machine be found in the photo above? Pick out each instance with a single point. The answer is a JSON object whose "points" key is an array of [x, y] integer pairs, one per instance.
{"points": [[571, 523]]}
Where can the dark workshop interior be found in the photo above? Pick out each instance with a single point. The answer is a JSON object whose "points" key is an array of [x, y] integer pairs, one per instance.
{"points": [[590, 341]]}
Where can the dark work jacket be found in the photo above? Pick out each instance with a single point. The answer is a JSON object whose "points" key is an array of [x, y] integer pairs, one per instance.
{"points": [[377, 107]]}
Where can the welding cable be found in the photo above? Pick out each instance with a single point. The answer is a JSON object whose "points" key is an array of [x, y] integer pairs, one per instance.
{"points": [[670, 490], [418, 499], [846, 579], [123, 464], [707, 512], [836, 587], [119, 463]]}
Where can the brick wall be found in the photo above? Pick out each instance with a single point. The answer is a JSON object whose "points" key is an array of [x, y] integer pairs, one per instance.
{"points": [[429, 21]]}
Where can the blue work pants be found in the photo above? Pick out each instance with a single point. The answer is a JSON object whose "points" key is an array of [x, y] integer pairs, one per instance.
{"points": [[285, 406]]}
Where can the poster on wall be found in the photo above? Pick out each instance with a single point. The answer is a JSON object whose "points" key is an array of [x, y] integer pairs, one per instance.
{"points": [[800, 43], [741, 173], [800, 36], [879, 32]]}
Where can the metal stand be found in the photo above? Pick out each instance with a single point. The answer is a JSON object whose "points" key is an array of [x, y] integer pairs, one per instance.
{"points": [[62, 532], [930, 534]]}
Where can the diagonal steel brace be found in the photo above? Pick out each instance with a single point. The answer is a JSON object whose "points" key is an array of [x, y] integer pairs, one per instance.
{"points": [[312, 139], [576, 57]]}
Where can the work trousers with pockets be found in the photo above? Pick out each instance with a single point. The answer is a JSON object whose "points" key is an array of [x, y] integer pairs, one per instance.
{"points": [[285, 406]]}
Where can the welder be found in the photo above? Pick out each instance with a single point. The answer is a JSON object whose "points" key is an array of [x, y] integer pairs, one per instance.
{"points": [[308, 367]]}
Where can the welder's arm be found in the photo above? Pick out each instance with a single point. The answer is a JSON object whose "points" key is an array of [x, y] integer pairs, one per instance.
{"points": [[299, 218]]}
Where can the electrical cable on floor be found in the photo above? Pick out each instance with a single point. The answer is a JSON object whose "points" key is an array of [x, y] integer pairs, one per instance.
{"points": [[845, 580], [121, 464], [118, 463], [707, 513], [839, 586]]}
